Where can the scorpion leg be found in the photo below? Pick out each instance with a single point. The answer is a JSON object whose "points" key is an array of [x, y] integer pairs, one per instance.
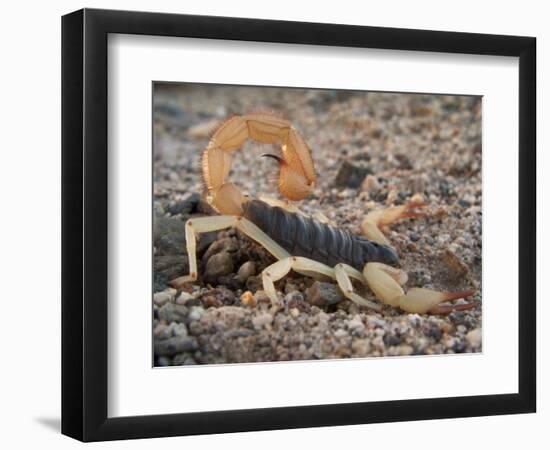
{"points": [[192, 228], [343, 273], [255, 233], [214, 223], [272, 273], [279, 269]]}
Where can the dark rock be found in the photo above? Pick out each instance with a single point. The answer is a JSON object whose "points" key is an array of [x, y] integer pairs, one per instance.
{"points": [[217, 297], [254, 284], [160, 281], [380, 196], [324, 294], [188, 302], [225, 295], [205, 240], [457, 317], [445, 188], [204, 208], [361, 157], [459, 347], [169, 108], [230, 281], [247, 270], [185, 206], [169, 236], [183, 359], [173, 313], [175, 345], [433, 331], [163, 361], [351, 175], [226, 244], [322, 100], [391, 339], [218, 265], [300, 305], [296, 300], [167, 268], [453, 269], [403, 161], [211, 301]]}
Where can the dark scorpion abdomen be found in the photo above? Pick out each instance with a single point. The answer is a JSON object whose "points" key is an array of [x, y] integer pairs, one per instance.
{"points": [[304, 236]]}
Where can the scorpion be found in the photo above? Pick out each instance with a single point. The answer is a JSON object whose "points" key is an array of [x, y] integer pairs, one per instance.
{"points": [[311, 246]]}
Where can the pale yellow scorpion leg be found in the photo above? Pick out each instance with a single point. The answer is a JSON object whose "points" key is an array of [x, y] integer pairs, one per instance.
{"points": [[215, 223], [341, 273]]}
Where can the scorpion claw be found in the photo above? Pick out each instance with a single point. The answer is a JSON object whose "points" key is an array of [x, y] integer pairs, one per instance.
{"points": [[386, 281], [421, 301]]}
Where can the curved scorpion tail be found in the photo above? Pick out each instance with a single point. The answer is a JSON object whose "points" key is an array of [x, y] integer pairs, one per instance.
{"points": [[296, 171]]}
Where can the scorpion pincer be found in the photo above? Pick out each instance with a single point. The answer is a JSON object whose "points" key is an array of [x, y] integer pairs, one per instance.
{"points": [[309, 246]]}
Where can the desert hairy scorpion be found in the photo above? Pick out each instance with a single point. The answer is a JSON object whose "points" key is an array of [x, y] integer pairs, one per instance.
{"points": [[309, 246]]}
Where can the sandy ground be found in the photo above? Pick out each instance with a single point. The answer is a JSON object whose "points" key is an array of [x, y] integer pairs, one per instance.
{"points": [[371, 150]]}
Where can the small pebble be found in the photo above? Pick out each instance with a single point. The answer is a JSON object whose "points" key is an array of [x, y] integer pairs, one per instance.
{"points": [[356, 325], [247, 270], [184, 297], [171, 312], [321, 293], [248, 299], [340, 333], [474, 338], [361, 347], [160, 298], [262, 320], [218, 265], [196, 313], [174, 345]]}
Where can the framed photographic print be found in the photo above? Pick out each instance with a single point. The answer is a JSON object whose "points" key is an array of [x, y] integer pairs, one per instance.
{"points": [[273, 224]]}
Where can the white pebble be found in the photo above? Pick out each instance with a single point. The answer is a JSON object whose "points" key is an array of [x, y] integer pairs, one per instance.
{"points": [[356, 325], [474, 337], [340, 333], [196, 313], [179, 329], [184, 298], [261, 320], [160, 298]]}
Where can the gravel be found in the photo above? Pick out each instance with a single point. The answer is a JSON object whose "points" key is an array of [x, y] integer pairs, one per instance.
{"points": [[371, 150]]}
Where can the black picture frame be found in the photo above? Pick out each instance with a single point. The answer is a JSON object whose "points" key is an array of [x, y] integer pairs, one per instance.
{"points": [[84, 224]]}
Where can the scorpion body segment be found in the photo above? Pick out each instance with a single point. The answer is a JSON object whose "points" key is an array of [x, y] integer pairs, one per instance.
{"points": [[303, 236]]}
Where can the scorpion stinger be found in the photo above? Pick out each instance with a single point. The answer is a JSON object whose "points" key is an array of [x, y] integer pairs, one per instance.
{"points": [[312, 247]]}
